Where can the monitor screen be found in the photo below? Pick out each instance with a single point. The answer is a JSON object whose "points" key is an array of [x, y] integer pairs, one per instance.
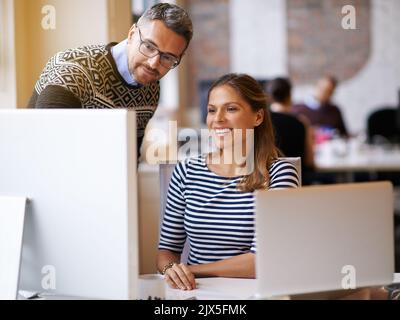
{"points": [[78, 168]]}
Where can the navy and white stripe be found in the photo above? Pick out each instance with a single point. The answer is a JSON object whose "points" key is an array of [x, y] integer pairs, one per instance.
{"points": [[209, 210]]}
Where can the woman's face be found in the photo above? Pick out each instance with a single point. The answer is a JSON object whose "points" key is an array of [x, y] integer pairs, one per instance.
{"points": [[229, 116]]}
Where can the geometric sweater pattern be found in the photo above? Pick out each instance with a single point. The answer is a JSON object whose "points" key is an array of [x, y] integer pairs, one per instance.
{"points": [[90, 73]]}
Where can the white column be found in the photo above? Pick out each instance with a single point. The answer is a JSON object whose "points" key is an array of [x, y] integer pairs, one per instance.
{"points": [[8, 95], [258, 37]]}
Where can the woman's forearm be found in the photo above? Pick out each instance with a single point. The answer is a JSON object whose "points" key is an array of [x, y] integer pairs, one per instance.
{"points": [[241, 266], [164, 257]]}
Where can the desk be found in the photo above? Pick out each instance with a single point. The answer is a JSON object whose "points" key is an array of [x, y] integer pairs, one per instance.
{"points": [[346, 158], [225, 289], [209, 289], [339, 156]]}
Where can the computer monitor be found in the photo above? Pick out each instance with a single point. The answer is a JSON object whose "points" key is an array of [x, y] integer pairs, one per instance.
{"points": [[324, 238], [78, 168]]}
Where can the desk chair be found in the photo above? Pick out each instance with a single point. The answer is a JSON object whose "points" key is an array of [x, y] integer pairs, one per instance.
{"points": [[290, 138], [290, 134], [383, 123], [166, 170], [383, 127]]}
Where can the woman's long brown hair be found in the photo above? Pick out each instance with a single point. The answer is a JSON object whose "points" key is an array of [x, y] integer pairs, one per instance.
{"points": [[265, 151]]}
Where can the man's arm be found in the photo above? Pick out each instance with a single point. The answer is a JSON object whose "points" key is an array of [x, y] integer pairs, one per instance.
{"points": [[54, 96]]}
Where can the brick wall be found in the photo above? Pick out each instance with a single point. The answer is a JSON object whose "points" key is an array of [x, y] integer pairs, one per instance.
{"points": [[318, 44], [208, 54]]}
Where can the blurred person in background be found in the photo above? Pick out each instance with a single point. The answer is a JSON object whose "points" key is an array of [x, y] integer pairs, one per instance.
{"points": [[294, 136], [322, 113]]}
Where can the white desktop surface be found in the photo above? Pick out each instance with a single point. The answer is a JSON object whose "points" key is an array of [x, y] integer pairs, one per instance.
{"points": [[207, 289], [225, 289]]}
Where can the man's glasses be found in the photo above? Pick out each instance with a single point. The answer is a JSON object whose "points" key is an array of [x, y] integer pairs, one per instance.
{"points": [[149, 50]]}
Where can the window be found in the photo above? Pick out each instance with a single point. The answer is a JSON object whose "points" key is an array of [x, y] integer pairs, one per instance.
{"points": [[3, 21]]}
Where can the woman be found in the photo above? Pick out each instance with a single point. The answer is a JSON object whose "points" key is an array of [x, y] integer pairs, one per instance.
{"points": [[210, 199]]}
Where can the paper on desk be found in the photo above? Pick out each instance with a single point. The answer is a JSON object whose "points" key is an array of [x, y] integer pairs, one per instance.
{"points": [[216, 289]]}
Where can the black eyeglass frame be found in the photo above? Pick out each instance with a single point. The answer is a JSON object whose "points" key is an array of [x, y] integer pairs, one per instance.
{"points": [[157, 52]]}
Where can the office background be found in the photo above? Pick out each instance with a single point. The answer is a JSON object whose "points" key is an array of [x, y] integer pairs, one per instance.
{"points": [[302, 39]]}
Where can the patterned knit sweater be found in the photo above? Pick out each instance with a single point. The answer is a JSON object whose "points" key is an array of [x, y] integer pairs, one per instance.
{"points": [[87, 77]]}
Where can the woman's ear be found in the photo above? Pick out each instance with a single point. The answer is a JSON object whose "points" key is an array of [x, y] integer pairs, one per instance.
{"points": [[259, 118]]}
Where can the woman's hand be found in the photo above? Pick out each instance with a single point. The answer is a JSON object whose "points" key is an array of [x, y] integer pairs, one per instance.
{"points": [[180, 277]]}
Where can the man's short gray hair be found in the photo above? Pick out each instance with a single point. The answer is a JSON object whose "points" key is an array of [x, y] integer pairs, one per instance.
{"points": [[173, 16]]}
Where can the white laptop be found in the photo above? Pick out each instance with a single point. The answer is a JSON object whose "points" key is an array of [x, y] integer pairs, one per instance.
{"points": [[324, 238]]}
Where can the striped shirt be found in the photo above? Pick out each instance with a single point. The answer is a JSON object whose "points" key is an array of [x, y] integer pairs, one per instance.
{"points": [[208, 209]]}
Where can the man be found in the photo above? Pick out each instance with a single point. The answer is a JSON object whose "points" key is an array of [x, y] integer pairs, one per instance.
{"points": [[124, 75], [319, 109]]}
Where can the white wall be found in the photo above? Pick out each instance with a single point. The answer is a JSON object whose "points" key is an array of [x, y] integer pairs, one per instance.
{"points": [[169, 96], [25, 46], [78, 22], [260, 48], [378, 82]]}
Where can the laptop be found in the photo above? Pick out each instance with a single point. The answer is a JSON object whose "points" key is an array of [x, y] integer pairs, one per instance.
{"points": [[324, 239]]}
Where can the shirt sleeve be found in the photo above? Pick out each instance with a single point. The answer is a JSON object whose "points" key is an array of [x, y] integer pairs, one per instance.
{"points": [[283, 175], [54, 96], [173, 235], [68, 82], [253, 248]]}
